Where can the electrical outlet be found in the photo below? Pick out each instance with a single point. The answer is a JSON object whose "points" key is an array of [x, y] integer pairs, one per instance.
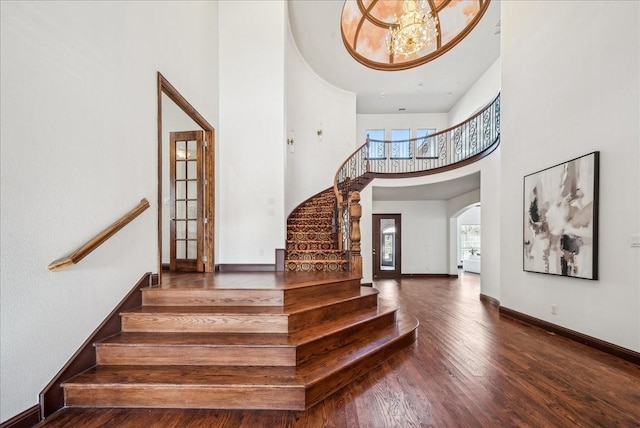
{"points": [[554, 309]]}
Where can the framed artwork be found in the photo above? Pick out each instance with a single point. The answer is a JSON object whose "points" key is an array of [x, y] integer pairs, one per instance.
{"points": [[561, 219]]}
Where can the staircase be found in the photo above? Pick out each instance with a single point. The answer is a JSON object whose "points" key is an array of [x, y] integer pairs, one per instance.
{"points": [[312, 245], [242, 341]]}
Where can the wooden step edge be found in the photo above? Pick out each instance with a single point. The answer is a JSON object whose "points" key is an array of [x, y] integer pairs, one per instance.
{"points": [[321, 387], [195, 355], [212, 297], [266, 397], [346, 322], [297, 309], [345, 337], [405, 328]]}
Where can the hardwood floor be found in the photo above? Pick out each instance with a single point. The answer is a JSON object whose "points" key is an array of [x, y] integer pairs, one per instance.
{"points": [[469, 368]]}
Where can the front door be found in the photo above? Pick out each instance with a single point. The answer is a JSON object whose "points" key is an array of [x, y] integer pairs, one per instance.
{"points": [[387, 254], [186, 203]]}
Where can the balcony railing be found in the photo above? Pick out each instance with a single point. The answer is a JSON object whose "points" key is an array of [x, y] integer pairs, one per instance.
{"points": [[452, 148]]}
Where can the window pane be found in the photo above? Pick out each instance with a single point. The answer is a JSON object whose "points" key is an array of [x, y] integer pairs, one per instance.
{"points": [[400, 146], [426, 147], [470, 240], [387, 244], [376, 148]]}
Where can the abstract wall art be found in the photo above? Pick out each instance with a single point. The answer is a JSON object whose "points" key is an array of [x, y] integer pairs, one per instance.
{"points": [[561, 219]]}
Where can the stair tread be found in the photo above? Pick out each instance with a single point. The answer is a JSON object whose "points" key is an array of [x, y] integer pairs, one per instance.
{"points": [[247, 376], [248, 310], [247, 339]]}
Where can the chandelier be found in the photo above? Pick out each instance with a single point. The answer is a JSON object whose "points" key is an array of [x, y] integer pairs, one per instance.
{"points": [[413, 31]]}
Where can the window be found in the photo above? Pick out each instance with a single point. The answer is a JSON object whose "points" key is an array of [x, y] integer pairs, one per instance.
{"points": [[469, 240], [426, 147], [400, 145], [376, 149]]}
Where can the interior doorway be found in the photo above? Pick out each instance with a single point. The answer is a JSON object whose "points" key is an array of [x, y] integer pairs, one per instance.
{"points": [[387, 246], [205, 243], [186, 182]]}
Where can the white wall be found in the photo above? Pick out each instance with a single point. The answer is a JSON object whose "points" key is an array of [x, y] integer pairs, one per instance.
{"points": [[78, 89], [251, 149], [313, 104], [490, 235], [479, 95], [424, 234], [570, 86]]}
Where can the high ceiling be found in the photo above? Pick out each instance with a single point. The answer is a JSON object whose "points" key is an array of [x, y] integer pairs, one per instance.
{"points": [[433, 87], [430, 88]]}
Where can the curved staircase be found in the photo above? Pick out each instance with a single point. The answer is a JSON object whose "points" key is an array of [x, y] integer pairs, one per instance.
{"points": [[312, 245], [242, 341]]}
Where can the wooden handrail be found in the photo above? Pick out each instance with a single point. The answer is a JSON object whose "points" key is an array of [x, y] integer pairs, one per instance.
{"points": [[99, 239]]}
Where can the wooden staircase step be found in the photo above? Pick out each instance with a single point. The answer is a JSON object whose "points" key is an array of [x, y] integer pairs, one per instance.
{"points": [[237, 387], [305, 291], [324, 376], [248, 319], [157, 296], [201, 387], [245, 349]]}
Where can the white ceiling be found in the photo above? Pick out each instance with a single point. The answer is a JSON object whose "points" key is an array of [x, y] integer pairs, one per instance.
{"points": [[315, 25]]}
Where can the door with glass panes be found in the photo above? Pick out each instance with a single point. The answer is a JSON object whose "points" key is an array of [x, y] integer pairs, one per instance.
{"points": [[186, 204], [387, 254]]}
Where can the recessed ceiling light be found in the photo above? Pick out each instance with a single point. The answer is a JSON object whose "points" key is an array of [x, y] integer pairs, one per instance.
{"points": [[382, 95]]}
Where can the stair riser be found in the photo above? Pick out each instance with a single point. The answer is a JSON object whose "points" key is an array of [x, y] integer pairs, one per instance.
{"points": [[315, 246], [211, 297], [345, 337], [310, 235], [347, 374], [159, 322], [195, 355], [302, 320], [310, 256], [185, 396], [299, 266], [337, 290]]}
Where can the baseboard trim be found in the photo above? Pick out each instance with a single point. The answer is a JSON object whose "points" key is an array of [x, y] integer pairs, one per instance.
{"points": [[52, 396], [246, 268], [490, 300], [425, 275], [601, 345], [366, 284], [25, 419]]}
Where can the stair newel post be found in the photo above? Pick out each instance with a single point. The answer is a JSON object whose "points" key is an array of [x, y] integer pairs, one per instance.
{"points": [[355, 212]]}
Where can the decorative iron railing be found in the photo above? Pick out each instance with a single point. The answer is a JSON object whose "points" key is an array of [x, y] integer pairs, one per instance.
{"points": [[452, 148]]}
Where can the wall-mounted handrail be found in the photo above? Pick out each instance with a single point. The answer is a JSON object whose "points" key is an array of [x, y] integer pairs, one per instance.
{"points": [[99, 239]]}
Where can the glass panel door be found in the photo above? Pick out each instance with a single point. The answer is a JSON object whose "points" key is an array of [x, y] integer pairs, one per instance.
{"points": [[186, 201], [387, 254]]}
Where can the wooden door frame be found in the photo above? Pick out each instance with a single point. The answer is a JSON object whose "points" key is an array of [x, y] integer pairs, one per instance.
{"points": [[164, 87], [375, 238]]}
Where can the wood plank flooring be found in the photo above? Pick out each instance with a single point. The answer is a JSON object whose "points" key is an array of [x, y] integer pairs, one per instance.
{"points": [[469, 368]]}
